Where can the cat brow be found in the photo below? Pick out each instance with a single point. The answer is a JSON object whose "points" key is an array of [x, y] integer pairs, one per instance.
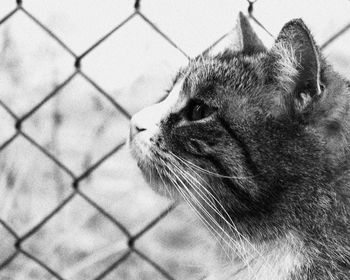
{"points": [[177, 77]]}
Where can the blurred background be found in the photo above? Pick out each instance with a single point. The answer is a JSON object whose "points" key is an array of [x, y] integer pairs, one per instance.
{"points": [[71, 74]]}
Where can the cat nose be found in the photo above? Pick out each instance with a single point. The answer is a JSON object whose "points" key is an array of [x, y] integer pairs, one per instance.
{"points": [[135, 128], [146, 119]]}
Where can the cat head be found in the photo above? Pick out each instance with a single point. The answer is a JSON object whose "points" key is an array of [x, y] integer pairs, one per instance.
{"points": [[245, 128]]}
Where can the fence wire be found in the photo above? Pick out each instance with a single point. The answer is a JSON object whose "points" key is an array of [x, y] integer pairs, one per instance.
{"points": [[78, 178]]}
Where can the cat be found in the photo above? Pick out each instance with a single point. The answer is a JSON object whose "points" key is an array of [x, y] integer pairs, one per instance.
{"points": [[257, 141]]}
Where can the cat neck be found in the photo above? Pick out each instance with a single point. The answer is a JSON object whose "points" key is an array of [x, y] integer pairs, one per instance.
{"points": [[272, 260]]}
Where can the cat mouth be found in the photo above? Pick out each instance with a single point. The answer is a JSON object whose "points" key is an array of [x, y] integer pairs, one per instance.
{"points": [[158, 178], [166, 173], [153, 169]]}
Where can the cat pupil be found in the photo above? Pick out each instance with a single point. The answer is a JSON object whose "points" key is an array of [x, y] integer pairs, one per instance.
{"points": [[199, 111]]}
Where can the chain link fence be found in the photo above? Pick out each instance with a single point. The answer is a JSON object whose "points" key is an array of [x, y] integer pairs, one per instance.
{"points": [[77, 179]]}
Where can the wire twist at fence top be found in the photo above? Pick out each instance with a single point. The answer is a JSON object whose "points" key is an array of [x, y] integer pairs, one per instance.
{"points": [[76, 179]]}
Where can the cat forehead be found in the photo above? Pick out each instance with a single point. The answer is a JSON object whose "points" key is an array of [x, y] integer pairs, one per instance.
{"points": [[225, 70]]}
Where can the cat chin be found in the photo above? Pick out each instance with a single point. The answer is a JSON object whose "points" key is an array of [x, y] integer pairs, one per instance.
{"points": [[158, 183], [161, 186], [164, 191]]}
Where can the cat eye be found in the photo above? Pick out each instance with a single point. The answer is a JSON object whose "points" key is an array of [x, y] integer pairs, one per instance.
{"points": [[199, 111]]}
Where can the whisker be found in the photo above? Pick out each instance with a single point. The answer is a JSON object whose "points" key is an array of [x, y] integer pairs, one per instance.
{"points": [[238, 246], [165, 186], [198, 190], [210, 228], [188, 163], [195, 200], [230, 224]]}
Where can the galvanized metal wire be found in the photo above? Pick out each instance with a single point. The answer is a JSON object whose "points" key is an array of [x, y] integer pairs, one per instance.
{"points": [[76, 179]]}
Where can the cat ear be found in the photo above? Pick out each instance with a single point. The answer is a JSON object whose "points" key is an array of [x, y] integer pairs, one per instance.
{"points": [[298, 60], [249, 41], [241, 38]]}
